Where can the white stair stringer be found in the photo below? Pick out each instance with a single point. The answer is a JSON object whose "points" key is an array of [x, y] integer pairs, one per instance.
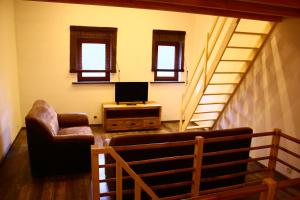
{"points": [[223, 72]]}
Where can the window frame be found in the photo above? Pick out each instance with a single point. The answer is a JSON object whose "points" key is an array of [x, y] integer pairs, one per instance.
{"points": [[101, 35], [176, 62], [175, 38], [107, 60]]}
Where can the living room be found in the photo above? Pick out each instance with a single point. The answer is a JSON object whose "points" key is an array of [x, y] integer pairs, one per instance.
{"points": [[35, 65]]}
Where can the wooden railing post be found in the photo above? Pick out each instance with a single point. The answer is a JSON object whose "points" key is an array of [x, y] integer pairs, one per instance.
{"points": [[274, 152], [119, 180], [95, 173], [198, 154], [271, 192], [137, 191]]}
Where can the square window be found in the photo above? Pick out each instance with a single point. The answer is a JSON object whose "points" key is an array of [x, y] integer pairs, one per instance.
{"points": [[93, 52], [167, 54]]}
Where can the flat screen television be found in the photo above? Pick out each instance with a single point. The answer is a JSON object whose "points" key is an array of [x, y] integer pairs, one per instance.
{"points": [[131, 92]]}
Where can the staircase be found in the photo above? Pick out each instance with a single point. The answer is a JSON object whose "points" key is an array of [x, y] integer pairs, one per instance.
{"points": [[231, 47]]}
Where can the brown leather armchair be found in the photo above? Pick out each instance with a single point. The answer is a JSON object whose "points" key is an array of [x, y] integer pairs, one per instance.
{"points": [[57, 143]]}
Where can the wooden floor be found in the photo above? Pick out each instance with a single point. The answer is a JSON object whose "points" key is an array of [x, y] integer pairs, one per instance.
{"points": [[16, 182]]}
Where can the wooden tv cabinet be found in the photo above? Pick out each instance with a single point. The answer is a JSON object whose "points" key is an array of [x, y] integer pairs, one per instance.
{"points": [[123, 117]]}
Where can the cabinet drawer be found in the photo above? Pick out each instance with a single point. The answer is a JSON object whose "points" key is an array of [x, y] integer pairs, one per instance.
{"points": [[134, 124], [112, 125], [151, 123]]}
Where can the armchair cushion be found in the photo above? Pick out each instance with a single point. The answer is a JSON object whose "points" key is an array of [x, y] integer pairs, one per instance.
{"points": [[82, 133]]}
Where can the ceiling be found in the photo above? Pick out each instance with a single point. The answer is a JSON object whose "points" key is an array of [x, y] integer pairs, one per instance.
{"points": [[273, 10]]}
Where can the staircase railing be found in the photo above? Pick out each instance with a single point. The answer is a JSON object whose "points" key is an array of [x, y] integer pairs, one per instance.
{"points": [[139, 184], [266, 187], [203, 71]]}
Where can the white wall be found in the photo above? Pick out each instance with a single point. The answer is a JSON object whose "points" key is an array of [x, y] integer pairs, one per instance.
{"points": [[43, 50], [10, 118], [269, 96]]}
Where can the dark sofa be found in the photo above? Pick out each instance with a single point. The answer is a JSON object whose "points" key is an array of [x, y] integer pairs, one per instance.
{"points": [[187, 176], [57, 143]]}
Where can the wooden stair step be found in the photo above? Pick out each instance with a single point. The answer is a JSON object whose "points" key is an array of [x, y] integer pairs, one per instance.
{"points": [[204, 112], [237, 47], [219, 93], [229, 72], [250, 33], [203, 120], [197, 127], [212, 103], [228, 60], [223, 83]]}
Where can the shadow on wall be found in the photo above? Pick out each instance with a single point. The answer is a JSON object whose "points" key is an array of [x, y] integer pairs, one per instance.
{"points": [[5, 136], [269, 96]]}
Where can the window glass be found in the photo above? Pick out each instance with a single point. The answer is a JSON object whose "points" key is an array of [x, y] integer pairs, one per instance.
{"points": [[166, 57], [93, 58]]}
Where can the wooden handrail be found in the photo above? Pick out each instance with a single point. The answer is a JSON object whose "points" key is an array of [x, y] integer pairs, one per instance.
{"points": [[228, 176], [296, 140], [148, 161], [202, 51], [287, 164], [226, 164], [225, 188], [289, 152], [145, 175], [223, 152], [210, 49], [154, 145], [288, 183], [180, 196], [238, 193], [236, 137]]}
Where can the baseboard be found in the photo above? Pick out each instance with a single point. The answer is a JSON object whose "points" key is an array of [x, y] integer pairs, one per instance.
{"points": [[166, 121], [11, 145]]}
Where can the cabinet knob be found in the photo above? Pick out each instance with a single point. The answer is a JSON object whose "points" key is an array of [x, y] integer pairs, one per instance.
{"points": [[114, 124]]}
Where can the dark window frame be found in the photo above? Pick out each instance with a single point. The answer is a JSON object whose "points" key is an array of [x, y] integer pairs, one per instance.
{"points": [[85, 34], [107, 60], [168, 37], [176, 65]]}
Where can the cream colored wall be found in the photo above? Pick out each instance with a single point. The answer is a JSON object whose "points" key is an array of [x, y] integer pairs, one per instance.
{"points": [[269, 96], [43, 49], [10, 118]]}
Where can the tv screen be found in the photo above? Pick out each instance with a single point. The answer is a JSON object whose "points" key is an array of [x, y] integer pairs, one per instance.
{"points": [[131, 92]]}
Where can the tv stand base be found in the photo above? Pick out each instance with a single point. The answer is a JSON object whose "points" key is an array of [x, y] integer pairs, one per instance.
{"points": [[124, 117]]}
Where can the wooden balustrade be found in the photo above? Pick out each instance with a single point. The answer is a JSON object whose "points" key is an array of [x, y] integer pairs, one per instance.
{"points": [[205, 72], [266, 187], [196, 75]]}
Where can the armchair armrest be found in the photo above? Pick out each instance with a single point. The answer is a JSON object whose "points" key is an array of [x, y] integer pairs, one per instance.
{"points": [[81, 138], [72, 119]]}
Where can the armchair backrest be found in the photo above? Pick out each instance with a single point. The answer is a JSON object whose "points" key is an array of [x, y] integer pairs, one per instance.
{"points": [[41, 122]]}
